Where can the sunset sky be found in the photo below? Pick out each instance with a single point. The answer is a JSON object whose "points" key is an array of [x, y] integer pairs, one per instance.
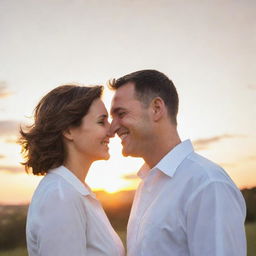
{"points": [[208, 49]]}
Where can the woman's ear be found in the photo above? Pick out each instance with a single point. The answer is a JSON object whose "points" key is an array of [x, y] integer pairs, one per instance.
{"points": [[67, 134], [158, 108]]}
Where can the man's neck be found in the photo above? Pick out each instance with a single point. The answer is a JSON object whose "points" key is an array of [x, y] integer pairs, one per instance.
{"points": [[160, 146]]}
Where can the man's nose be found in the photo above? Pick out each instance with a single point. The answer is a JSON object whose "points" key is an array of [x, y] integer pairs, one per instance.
{"points": [[109, 133], [113, 127]]}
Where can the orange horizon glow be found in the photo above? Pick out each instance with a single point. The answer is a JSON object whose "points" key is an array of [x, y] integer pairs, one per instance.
{"points": [[18, 188], [115, 175]]}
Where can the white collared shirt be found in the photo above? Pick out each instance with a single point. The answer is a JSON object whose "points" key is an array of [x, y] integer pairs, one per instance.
{"points": [[186, 206], [66, 219]]}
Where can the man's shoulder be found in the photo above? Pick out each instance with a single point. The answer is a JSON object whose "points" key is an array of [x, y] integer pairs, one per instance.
{"points": [[202, 170], [198, 174]]}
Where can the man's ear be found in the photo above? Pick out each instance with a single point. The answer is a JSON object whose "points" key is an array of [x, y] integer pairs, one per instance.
{"points": [[67, 134], [158, 108]]}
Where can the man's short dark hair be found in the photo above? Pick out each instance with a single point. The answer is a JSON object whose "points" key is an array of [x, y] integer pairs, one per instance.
{"points": [[150, 84]]}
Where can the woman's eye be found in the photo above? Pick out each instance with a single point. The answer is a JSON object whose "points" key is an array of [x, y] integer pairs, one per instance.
{"points": [[101, 122]]}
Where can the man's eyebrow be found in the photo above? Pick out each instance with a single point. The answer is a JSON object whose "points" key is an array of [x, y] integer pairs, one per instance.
{"points": [[115, 110]]}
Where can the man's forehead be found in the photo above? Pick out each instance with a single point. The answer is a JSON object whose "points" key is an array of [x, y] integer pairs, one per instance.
{"points": [[121, 98], [117, 104], [125, 92]]}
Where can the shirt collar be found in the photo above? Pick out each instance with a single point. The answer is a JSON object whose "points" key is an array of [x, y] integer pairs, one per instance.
{"points": [[79, 186], [171, 161]]}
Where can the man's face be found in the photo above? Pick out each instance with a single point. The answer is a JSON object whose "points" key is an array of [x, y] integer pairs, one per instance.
{"points": [[131, 121]]}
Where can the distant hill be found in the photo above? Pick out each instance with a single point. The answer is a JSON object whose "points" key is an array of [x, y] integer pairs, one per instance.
{"points": [[117, 199], [117, 207], [250, 199]]}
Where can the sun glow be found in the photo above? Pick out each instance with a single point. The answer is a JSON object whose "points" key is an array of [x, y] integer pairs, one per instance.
{"points": [[17, 188]]}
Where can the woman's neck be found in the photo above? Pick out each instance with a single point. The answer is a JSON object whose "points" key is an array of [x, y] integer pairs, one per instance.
{"points": [[77, 166]]}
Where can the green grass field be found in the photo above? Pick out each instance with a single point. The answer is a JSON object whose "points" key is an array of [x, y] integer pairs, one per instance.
{"points": [[251, 239], [250, 233], [15, 252]]}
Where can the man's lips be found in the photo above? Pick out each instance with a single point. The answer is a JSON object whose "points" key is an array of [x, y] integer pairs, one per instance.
{"points": [[123, 135]]}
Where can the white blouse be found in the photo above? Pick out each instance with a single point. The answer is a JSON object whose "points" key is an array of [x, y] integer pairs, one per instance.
{"points": [[65, 219]]}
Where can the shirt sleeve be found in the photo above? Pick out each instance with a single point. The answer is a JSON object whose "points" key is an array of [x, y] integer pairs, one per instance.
{"points": [[62, 231], [215, 221]]}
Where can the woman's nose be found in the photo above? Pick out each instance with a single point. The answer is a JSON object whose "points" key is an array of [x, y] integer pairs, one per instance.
{"points": [[113, 128]]}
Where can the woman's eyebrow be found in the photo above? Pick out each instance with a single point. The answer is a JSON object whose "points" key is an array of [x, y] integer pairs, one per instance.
{"points": [[103, 116]]}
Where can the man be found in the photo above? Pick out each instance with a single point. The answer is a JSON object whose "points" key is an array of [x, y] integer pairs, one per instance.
{"points": [[185, 204]]}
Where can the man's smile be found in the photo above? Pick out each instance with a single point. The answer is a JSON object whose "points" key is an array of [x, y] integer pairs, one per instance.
{"points": [[122, 135]]}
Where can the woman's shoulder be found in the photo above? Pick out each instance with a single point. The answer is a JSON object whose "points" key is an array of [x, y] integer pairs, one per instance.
{"points": [[53, 188], [54, 199]]}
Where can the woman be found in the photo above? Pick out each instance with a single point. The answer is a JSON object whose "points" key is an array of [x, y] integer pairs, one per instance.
{"points": [[70, 132]]}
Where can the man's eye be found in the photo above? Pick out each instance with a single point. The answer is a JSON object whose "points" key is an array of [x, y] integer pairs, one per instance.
{"points": [[121, 114]]}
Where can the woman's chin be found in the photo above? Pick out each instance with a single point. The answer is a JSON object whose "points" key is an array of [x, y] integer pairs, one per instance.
{"points": [[105, 156]]}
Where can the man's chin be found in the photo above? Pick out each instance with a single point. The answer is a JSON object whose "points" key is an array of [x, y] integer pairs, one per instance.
{"points": [[126, 153]]}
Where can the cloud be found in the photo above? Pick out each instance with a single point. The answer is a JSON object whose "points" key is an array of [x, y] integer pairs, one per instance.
{"points": [[9, 128], [228, 165], [4, 92], [130, 176], [202, 144], [251, 158], [239, 161], [252, 86], [13, 140], [12, 169]]}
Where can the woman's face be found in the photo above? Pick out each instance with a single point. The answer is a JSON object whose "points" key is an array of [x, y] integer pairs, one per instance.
{"points": [[90, 140]]}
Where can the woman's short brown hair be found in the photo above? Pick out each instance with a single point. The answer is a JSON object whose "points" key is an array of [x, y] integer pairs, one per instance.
{"points": [[63, 107]]}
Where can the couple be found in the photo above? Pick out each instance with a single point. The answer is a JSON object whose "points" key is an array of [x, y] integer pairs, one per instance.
{"points": [[185, 205]]}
